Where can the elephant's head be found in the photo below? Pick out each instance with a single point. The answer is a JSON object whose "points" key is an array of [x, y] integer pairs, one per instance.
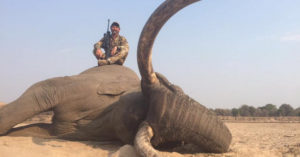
{"points": [[172, 115]]}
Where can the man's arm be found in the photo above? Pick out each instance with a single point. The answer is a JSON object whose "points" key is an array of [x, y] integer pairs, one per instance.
{"points": [[124, 47], [122, 51], [97, 49]]}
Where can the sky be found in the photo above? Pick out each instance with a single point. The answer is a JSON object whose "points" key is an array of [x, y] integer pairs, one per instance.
{"points": [[221, 53]]}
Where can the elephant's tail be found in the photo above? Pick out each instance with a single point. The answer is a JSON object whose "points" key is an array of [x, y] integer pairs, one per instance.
{"points": [[142, 142]]}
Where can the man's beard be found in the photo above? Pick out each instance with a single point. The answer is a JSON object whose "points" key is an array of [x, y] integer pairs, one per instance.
{"points": [[115, 33]]}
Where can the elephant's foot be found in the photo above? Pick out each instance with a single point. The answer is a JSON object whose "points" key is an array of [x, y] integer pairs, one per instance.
{"points": [[142, 141], [41, 130]]}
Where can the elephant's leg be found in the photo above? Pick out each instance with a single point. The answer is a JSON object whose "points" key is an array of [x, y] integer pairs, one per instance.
{"points": [[41, 130], [38, 98]]}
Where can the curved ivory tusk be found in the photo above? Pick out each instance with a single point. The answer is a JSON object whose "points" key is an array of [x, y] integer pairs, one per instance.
{"points": [[158, 18], [142, 142]]}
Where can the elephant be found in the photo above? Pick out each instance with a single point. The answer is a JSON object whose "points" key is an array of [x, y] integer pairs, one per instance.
{"points": [[111, 103], [100, 104], [172, 116]]}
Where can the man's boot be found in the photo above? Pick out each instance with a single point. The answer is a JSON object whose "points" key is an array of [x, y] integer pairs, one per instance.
{"points": [[102, 62]]}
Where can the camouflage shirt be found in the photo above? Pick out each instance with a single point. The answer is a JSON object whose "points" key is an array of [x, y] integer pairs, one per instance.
{"points": [[122, 49]]}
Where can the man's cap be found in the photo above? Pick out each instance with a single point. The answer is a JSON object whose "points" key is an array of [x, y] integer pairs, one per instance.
{"points": [[115, 24]]}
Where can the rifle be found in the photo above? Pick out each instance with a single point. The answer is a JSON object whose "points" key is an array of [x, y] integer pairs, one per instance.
{"points": [[107, 36]]}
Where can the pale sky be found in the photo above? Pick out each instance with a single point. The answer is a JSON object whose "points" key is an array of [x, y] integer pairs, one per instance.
{"points": [[222, 53]]}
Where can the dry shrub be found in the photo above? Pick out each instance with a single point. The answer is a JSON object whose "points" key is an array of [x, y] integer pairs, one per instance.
{"points": [[287, 119]]}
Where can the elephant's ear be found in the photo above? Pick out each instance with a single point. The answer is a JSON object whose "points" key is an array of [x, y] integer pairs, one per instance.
{"points": [[113, 89]]}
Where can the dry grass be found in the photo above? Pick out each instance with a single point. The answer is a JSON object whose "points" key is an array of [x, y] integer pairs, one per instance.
{"points": [[260, 119]]}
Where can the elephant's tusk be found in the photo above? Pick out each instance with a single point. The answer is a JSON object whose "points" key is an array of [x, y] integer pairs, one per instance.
{"points": [[142, 141], [158, 18]]}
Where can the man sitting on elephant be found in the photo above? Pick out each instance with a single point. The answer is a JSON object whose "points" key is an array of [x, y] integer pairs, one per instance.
{"points": [[115, 46]]}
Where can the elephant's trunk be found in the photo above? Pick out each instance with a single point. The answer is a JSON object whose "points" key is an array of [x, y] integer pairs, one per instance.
{"points": [[149, 33]]}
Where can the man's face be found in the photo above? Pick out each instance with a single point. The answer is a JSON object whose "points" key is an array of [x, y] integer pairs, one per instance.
{"points": [[115, 30]]}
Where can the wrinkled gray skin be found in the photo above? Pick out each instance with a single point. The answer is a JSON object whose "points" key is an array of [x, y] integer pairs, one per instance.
{"points": [[102, 104]]}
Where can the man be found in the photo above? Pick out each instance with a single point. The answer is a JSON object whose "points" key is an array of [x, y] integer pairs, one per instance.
{"points": [[117, 50]]}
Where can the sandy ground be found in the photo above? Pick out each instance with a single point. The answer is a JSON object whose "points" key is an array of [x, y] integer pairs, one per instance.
{"points": [[272, 139], [249, 140]]}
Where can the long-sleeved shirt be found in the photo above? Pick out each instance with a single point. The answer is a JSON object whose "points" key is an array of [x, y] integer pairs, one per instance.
{"points": [[122, 49]]}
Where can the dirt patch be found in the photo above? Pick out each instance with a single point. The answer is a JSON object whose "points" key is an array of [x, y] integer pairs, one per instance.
{"points": [[2, 104]]}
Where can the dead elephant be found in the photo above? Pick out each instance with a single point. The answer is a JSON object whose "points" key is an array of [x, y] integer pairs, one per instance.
{"points": [[106, 103], [100, 104]]}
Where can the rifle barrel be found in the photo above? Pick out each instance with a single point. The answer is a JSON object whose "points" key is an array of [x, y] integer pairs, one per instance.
{"points": [[108, 25]]}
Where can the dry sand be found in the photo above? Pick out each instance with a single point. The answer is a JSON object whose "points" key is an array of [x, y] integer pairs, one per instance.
{"points": [[249, 140]]}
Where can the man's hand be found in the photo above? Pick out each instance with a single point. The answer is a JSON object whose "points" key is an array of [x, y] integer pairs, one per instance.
{"points": [[113, 51], [99, 54]]}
